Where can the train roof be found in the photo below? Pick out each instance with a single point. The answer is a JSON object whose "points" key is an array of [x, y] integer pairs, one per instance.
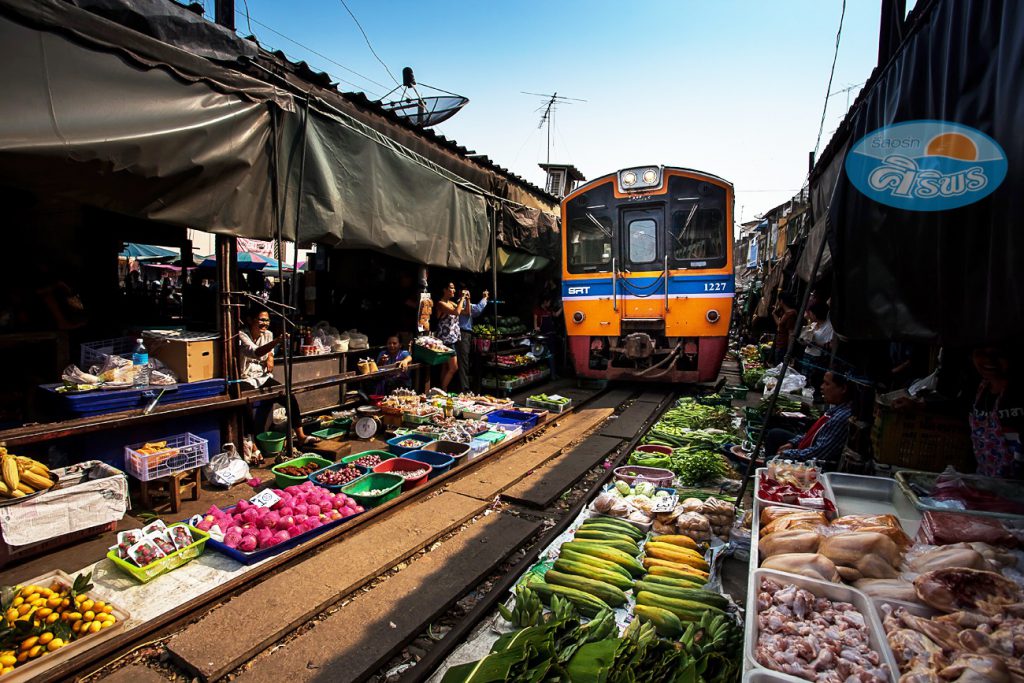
{"points": [[606, 176]]}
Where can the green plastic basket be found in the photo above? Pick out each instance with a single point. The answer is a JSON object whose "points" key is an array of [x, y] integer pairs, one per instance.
{"points": [[330, 433], [270, 443], [384, 455], [390, 484], [284, 480], [424, 355], [164, 564]]}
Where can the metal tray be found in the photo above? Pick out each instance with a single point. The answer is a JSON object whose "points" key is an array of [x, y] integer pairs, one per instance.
{"points": [[856, 494], [1011, 490], [832, 591]]}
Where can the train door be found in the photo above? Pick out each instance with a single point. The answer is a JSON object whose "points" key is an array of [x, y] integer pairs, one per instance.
{"points": [[643, 251]]}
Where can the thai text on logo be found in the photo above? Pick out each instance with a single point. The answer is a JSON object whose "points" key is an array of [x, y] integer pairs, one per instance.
{"points": [[926, 165]]}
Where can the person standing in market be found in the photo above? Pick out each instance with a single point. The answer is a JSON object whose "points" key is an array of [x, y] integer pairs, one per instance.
{"points": [[448, 310], [819, 343], [785, 321], [997, 415], [465, 345]]}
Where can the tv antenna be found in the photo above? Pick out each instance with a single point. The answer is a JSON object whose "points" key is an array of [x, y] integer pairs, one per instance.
{"points": [[423, 111], [548, 111]]}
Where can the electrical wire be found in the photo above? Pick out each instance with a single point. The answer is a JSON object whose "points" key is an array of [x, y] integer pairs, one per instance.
{"points": [[321, 55], [248, 21], [832, 72], [367, 39]]}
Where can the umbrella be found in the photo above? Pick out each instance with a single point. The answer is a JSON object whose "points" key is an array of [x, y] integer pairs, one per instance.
{"points": [[248, 261], [146, 251]]}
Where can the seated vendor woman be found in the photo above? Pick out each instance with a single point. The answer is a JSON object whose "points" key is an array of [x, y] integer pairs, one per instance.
{"points": [[824, 441], [256, 344], [997, 415], [393, 353]]}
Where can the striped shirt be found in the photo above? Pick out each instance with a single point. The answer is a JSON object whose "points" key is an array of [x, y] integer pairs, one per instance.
{"points": [[827, 443]]}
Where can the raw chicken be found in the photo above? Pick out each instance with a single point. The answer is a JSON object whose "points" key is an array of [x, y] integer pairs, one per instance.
{"points": [[946, 556], [797, 519], [792, 541], [811, 565], [970, 668], [872, 554], [951, 589], [773, 512], [914, 651], [888, 525], [891, 589]]}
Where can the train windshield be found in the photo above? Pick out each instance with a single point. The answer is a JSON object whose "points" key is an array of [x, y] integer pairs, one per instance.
{"points": [[697, 236], [589, 241]]}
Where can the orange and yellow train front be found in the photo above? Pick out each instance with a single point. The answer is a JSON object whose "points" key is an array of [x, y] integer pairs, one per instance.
{"points": [[647, 274]]}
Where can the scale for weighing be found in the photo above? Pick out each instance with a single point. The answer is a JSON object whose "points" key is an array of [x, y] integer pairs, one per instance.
{"points": [[367, 427]]}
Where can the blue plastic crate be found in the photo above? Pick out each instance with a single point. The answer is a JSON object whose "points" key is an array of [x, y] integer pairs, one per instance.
{"points": [[101, 402], [402, 450], [513, 417], [439, 462]]}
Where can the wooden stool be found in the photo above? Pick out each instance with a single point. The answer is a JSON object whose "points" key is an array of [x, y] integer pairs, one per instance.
{"points": [[174, 487]]}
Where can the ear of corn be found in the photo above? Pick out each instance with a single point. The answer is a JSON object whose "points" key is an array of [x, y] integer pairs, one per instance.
{"points": [[9, 471]]}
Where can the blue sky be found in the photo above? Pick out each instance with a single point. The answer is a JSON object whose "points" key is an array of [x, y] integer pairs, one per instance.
{"points": [[733, 87]]}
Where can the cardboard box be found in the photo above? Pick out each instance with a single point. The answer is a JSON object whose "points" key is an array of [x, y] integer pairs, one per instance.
{"points": [[192, 356]]}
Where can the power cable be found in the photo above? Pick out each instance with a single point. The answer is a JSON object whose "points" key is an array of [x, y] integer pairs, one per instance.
{"points": [[248, 21], [832, 72], [367, 39], [319, 54]]}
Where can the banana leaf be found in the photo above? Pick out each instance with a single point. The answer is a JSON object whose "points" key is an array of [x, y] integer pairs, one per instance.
{"points": [[592, 661], [494, 668]]}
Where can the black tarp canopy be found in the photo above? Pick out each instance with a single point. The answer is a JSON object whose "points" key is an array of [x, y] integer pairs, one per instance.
{"points": [[110, 117], [924, 229]]}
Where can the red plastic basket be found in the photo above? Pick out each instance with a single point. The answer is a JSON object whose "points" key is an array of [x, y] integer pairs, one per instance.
{"points": [[399, 465]]}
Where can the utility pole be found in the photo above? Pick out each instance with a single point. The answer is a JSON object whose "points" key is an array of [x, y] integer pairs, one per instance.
{"points": [[225, 13]]}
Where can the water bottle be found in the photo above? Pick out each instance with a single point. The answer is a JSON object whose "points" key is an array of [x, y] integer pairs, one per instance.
{"points": [[140, 361]]}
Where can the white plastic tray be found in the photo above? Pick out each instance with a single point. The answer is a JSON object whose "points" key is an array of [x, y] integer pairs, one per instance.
{"points": [[832, 591]]}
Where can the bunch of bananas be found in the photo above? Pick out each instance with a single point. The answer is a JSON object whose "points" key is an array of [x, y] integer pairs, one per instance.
{"points": [[528, 610], [40, 619], [21, 476]]}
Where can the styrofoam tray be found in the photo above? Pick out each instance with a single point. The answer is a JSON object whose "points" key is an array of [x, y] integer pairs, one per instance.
{"points": [[832, 591]]}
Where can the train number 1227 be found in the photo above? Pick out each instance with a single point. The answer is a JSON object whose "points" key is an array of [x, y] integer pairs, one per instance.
{"points": [[715, 286]]}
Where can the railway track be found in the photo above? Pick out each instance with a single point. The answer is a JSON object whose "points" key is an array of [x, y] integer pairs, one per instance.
{"points": [[529, 475]]}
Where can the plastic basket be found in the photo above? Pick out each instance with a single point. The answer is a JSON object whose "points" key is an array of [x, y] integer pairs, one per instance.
{"points": [[394, 448], [284, 480], [405, 465], [351, 459], [656, 475], [96, 352], [452, 449], [164, 564], [549, 405], [412, 419], [918, 438], [335, 488], [183, 452], [262, 554], [439, 462], [390, 486], [513, 417], [330, 433], [424, 355]]}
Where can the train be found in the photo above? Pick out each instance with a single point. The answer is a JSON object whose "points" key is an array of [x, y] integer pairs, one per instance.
{"points": [[647, 275]]}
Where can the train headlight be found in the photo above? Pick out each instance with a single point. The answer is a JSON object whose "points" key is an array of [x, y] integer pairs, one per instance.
{"points": [[641, 178], [713, 316], [578, 317]]}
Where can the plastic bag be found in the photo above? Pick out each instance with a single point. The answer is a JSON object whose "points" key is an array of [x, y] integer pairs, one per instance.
{"points": [[792, 383], [227, 468], [250, 453], [357, 341], [73, 375]]}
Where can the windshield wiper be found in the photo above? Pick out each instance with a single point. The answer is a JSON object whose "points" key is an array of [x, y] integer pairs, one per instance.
{"points": [[600, 226], [686, 226]]}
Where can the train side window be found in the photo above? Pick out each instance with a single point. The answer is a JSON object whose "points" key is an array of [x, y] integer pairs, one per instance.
{"points": [[589, 244], [643, 241]]}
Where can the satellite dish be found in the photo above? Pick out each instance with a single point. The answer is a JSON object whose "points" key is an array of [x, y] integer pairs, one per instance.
{"points": [[419, 110]]}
